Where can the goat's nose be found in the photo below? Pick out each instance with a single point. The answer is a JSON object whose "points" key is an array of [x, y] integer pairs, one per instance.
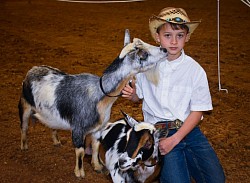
{"points": [[164, 50], [121, 162]]}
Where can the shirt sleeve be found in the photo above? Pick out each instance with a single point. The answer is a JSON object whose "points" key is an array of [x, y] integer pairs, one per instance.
{"points": [[201, 97]]}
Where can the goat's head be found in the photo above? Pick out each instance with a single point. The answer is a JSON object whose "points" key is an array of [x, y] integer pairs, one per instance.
{"points": [[140, 56], [141, 139]]}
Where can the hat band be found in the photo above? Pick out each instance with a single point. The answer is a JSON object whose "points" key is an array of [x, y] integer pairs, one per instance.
{"points": [[176, 20]]}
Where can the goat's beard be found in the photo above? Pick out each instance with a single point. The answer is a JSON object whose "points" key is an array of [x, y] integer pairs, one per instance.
{"points": [[153, 74]]}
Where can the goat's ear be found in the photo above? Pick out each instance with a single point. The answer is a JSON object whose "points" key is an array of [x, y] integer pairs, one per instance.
{"points": [[126, 38], [128, 46], [131, 121]]}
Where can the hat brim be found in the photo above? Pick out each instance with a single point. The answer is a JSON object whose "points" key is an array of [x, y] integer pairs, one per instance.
{"points": [[155, 22]]}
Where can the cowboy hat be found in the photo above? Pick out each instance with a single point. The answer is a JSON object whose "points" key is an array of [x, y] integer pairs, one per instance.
{"points": [[173, 15]]}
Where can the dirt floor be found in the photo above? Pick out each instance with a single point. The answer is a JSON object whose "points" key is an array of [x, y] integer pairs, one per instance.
{"points": [[80, 37]]}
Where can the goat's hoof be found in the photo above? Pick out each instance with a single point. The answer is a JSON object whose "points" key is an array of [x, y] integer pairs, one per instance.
{"points": [[103, 171], [79, 173], [24, 147], [98, 171], [56, 141], [57, 144], [97, 167]]}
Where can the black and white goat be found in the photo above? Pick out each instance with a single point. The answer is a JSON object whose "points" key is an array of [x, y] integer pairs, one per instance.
{"points": [[129, 151], [81, 103]]}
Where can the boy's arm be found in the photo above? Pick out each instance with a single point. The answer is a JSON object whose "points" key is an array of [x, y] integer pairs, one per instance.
{"points": [[192, 121]]}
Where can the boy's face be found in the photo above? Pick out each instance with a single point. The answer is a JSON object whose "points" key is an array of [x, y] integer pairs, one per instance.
{"points": [[172, 40]]}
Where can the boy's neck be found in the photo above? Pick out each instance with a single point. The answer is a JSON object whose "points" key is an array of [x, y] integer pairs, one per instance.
{"points": [[174, 57]]}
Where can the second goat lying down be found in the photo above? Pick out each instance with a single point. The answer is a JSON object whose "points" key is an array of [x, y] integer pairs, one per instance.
{"points": [[129, 150], [81, 103]]}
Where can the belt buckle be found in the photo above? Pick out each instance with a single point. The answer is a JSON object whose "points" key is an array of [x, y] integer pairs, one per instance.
{"points": [[162, 128], [178, 123]]}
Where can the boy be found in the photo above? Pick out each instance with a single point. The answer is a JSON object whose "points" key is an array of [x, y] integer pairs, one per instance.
{"points": [[174, 94]]}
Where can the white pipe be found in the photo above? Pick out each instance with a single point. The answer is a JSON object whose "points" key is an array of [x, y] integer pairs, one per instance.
{"points": [[246, 2], [218, 35]]}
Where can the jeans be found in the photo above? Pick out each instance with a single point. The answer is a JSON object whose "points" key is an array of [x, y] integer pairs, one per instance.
{"points": [[193, 158]]}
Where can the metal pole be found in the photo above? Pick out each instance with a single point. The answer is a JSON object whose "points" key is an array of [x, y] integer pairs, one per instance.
{"points": [[246, 2], [218, 35]]}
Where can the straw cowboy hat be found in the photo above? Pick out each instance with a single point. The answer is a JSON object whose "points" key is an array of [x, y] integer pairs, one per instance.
{"points": [[173, 15]]}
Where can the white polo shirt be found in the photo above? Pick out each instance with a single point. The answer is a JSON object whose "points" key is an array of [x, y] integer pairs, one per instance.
{"points": [[182, 88]]}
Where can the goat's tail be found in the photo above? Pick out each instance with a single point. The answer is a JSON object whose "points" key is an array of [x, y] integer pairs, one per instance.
{"points": [[24, 105]]}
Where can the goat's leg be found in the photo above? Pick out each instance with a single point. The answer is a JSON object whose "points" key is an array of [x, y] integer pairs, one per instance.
{"points": [[79, 170], [95, 151], [24, 115], [78, 142], [55, 138]]}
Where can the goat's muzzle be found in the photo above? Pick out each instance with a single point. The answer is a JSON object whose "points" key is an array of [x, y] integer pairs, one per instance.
{"points": [[164, 50]]}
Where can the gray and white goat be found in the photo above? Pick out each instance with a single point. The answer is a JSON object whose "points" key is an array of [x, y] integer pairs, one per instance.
{"points": [[81, 103]]}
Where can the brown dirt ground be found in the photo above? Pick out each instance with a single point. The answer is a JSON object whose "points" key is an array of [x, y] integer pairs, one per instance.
{"points": [[79, 38]]}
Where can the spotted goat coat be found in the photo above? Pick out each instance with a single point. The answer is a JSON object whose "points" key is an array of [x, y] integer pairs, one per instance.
{"points": [[129, 151]]}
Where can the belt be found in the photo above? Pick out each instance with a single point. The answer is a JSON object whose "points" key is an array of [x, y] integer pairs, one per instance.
{"points": [[171, 125]]}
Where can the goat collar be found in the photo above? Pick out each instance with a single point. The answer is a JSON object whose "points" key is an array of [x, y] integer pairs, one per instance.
{"points": [[105, 92], [152, 165]]}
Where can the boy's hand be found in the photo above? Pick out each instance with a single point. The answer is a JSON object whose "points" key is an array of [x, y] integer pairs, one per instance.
{"points": [[167, 144], [129, 91]]}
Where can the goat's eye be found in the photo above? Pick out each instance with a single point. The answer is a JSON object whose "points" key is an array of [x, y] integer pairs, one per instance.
{"points": [[143, 55]]}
